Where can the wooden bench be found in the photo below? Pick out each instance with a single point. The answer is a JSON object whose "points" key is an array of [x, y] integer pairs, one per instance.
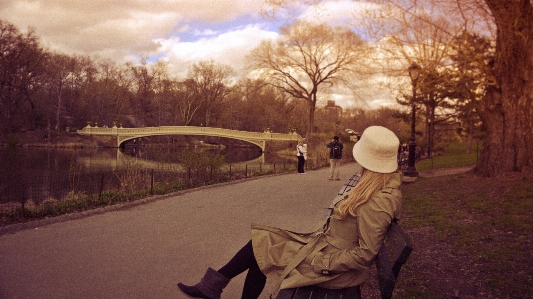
{"points": [[391, 256]]}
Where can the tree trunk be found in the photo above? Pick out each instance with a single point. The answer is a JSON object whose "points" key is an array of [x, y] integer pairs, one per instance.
{"points": [[507, 108], [58, 111], [312, 108], [429, 130], [470, 138], [207, 116], [311, 120]]}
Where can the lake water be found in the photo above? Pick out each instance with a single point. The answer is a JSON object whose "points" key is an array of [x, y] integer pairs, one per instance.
{"points": [[27, 169]]}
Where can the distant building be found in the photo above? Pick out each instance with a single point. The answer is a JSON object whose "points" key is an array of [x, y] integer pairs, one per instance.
{"points": [[333, 112]]}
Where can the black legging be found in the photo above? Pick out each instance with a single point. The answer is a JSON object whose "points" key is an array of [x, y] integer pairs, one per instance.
{"points": [[301, 163], [242, 261]]}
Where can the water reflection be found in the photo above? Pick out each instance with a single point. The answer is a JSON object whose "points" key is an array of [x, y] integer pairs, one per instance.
{"points": [[25, 169], [168, 154]]}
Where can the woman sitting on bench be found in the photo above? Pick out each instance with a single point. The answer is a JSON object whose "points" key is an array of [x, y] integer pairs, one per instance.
{"points": [[337, 256]]}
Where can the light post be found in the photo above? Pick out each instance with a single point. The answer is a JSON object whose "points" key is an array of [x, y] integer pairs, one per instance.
{"points": [[429, 138], [414, 72]]}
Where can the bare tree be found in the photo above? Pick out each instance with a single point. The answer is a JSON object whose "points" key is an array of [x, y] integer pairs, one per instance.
{"points": [[152, 89], [256, 105], [162, 87], [305, 57], [110, 91], [60, 71], [21, 59], [187, 102], [212, 82]]}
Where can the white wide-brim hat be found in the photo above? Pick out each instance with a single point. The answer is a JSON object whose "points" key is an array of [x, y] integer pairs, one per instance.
{"points": [[377, 150]]}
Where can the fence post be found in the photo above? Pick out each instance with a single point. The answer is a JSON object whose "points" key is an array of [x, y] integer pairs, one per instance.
{"points": [[152, 183], [189, 176], [246, 170], [230, 172], [101, 188]]}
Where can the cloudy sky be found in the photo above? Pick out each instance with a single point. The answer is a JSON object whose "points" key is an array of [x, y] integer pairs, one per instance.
{"points": [[180, 31]]}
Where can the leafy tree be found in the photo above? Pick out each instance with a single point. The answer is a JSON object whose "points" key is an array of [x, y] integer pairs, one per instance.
{"points": [[473, 58], [437, 94]]}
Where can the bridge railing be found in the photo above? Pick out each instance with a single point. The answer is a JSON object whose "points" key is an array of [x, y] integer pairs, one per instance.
{"points": [[124, 134], [192, 130]]}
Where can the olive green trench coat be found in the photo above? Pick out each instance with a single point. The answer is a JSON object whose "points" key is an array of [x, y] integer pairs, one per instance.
{"points": [[342, 253]]}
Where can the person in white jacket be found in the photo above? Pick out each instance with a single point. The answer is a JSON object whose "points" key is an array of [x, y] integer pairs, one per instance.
{"points": [[301, 153]]}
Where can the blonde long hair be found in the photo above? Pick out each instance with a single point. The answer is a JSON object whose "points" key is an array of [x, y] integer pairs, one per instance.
{"points": [[369, 183]]}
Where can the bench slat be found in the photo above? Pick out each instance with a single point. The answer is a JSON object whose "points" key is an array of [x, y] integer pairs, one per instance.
{"points": [[323, 294], [286, 294], [314, 292]]}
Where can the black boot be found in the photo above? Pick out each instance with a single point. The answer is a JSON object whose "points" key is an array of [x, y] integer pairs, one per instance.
{"points": [[209, 287]]}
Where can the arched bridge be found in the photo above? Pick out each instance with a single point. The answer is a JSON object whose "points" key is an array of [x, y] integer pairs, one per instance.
{"points": [[125, 134]]}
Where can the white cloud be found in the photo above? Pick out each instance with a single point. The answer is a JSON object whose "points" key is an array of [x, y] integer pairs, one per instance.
{"points": [[116, 29], [337, 12], [229, 48], [182, 32]]}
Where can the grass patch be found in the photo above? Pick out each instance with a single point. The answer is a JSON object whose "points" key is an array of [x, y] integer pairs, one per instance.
{"points": [[455, 156], [416, 294], [488, 220]]}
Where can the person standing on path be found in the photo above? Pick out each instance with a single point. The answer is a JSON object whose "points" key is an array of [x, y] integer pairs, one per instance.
{"points": [[335, 157], [336, 256], [301, 153]]}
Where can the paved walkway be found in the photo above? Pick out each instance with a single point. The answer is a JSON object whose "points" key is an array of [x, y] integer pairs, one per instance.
{"points": [[142, 251]]}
